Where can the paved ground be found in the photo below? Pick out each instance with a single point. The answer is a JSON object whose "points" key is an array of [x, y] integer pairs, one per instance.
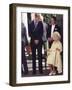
{"points": [[45, 73]]}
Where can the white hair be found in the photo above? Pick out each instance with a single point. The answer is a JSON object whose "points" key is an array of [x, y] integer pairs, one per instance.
{"points": [[57, 34]]}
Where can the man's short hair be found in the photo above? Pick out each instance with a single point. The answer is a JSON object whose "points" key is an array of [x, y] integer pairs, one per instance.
{"points": [[54, 18], [37, 15]]}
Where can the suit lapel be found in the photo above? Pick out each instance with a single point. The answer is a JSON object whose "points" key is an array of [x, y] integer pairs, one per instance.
{"points": [[56, 28], [50, 29], [33, 26]]}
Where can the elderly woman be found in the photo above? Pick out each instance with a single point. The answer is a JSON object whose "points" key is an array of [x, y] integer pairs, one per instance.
{"points": [[54, 55]]}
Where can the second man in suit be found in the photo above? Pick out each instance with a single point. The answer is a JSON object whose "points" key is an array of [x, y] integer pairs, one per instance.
{"points": [[52, 28]]}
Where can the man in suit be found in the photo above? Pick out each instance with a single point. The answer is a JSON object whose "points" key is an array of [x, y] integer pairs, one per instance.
{"points": [[36, 33], [52, 28], [24, 42]]}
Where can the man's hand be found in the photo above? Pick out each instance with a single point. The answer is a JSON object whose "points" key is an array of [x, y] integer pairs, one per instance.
{"points": [[28, 48], [50, 39], [36, 41]]}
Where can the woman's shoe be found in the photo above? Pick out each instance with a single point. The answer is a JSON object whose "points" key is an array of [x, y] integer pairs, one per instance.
{"points": [[51, 73], [54, 73]]}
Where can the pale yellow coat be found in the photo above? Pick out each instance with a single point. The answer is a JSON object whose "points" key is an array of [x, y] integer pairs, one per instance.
{"points": [[54, 55]]}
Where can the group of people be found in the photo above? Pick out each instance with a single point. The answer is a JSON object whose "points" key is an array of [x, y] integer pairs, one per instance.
{"points": [[40, 34]]}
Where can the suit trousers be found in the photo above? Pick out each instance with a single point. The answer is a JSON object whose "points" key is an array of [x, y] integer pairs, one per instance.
{"points": [[24, 61], [37, 47]]}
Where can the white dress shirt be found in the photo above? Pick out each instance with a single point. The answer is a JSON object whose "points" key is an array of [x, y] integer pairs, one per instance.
{"points": [[52, 30]]}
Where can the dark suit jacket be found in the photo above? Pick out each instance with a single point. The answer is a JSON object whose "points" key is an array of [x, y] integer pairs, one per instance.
{"points": [[36, 33], [24, 35], [57, 28]]}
